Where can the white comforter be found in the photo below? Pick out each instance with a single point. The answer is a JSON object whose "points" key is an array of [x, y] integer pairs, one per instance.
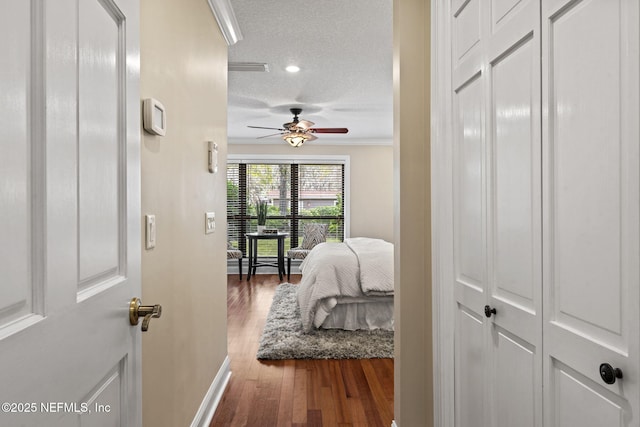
{"points": [[375, 257], [358, 270]]}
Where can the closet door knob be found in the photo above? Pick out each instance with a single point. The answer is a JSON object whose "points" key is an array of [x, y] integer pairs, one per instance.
{"points": [[488, 311], [609, 374]]}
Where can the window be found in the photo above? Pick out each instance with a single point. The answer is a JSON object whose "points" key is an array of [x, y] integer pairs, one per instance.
{"points": [[296, 192]]}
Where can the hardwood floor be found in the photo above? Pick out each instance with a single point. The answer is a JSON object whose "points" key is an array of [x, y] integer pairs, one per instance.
{"points": [[294, 393]]}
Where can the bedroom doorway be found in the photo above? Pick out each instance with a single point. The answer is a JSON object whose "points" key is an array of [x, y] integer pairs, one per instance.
{"points": [[406, 187], [322, 187]]}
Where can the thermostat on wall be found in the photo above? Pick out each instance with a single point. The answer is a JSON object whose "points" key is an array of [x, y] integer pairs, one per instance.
{"points": [[154, 117]]}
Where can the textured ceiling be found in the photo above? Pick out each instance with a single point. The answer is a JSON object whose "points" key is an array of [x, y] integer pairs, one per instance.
{"points": [[344, 50]]}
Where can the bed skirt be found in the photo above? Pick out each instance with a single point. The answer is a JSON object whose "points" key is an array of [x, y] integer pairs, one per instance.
{"points": [[365, 314]]}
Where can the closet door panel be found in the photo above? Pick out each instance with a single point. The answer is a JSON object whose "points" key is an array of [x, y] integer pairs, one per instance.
{"points": [[515, 186], [469, 253], [514, 215], [596, 405], [470, 371], [591, 218], [587, 169], [514, 399], [469, 186], [466, 31]]}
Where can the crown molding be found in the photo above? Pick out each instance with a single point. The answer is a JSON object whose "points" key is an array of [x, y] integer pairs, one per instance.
{"points": [[227, 22]]}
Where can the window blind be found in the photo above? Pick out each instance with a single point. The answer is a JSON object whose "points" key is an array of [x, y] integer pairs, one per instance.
{"points": [[295, 193]]}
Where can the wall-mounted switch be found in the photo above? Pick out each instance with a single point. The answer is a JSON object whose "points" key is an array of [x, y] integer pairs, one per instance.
{"points": [[213, 157], [150, 227], [210, 222]]}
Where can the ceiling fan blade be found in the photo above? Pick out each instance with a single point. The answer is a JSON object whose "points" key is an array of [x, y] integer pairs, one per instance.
{"points": [[267, 136], [329, 130], [262, 127], [304, 124]]}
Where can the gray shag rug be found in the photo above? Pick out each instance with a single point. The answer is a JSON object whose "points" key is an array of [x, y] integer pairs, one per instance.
{"points": [[284, 338]]}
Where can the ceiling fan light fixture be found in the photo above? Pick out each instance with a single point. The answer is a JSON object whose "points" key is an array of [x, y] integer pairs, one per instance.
{"points": [[298, 131], [295, 139]]}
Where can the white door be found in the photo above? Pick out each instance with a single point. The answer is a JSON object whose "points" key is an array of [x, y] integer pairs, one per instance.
{"points": [[514, 213], [497, 213], [469, 214], [591, 219], [69, 213]]}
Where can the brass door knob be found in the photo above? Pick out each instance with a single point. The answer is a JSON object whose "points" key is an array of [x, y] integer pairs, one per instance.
{"points": [[136, 310]]}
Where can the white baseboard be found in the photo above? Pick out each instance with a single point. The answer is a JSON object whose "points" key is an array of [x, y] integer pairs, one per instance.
{"points": [[210, 402]]}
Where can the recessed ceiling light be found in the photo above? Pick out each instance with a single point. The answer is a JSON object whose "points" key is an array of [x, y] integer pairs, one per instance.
{"points": [[293, 68]]}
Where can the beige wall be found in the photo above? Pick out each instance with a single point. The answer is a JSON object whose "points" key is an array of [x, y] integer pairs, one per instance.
{"points": [[183, 65], [414, 362], [371, 189]]}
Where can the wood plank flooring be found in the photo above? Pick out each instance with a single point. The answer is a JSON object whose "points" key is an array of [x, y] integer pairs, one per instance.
{"points": [[294, 393]]}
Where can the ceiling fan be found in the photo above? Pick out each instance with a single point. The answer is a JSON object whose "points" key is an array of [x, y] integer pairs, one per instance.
{"points": [[298, 131]]}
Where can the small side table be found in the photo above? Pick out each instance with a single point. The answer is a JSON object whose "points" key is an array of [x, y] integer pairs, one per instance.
{"points": [[253, 252]]}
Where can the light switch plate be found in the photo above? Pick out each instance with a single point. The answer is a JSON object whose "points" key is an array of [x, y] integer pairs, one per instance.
{"points": [[213, 157], [209, 222], [150, 227]]}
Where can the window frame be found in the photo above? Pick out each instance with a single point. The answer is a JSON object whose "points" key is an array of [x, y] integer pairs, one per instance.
{"points": [[344, 160]]}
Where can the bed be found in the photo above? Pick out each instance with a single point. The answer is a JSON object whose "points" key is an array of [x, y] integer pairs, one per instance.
{"points": [[348, 285]]}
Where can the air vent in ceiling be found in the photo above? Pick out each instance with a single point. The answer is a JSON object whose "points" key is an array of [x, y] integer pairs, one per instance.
{"points": [[248, 66]]}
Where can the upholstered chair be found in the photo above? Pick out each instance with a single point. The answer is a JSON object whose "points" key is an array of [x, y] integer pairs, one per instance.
{"points": [[233, 253], [312, 234]]}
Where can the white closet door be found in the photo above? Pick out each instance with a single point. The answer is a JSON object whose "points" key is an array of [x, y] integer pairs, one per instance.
{"points": [[591, 216], [497, 213], [546, 212], [514, 213], [469, 214]]}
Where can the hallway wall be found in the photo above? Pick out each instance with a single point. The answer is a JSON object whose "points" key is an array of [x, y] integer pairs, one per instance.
{"points": [[412, 172], [184, 66]]}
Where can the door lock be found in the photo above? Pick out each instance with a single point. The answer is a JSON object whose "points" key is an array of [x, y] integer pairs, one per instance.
{"points": [[145, 311]]}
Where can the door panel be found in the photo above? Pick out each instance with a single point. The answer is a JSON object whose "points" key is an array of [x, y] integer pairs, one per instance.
{"points": [[503, 10], [103, 406], [100, 140], [74, 135], [515, 190], [591, 177], [466, 41], [597, 406], [497, 216], [514, 213], [586, 149], [106, 400], [469, 251], [470, 370], [469, 165], [516, 381], [17, 290], [466, 24]]}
